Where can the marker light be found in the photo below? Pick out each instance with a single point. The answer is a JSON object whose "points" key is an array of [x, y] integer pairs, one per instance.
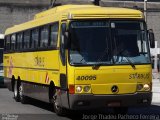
{"points": [[70, 16]]}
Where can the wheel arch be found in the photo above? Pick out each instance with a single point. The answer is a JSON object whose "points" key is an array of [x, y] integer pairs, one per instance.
{"points": [[12, 83], [52, 87], [13, 79]]}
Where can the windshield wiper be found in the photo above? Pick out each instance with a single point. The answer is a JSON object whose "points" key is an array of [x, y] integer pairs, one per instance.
{"points": [[126, 57], [130, 62], [98, 64]]}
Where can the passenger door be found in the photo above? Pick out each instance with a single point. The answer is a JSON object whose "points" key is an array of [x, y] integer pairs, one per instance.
{"points": [[63, 65]]}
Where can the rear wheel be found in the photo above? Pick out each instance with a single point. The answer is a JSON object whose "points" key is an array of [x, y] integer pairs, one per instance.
{"points": [[16, 92], [23, 98]]}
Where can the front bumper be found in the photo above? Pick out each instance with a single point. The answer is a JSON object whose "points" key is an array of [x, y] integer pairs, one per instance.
{"points": [[88, 101]]}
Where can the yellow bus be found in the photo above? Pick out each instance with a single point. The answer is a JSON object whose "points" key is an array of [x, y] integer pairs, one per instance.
{"points": [[81, 57]]}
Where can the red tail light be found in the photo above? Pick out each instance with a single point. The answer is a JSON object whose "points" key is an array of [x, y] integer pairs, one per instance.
{"points": [[71, 89]]}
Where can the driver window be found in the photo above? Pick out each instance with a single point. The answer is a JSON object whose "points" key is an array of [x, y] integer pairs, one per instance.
{"points": [[62, 46]]}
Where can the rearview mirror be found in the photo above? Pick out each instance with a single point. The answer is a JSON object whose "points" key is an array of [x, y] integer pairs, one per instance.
{"points": [[151, 38]]}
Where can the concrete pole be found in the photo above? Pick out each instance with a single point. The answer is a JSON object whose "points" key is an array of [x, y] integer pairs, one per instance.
{"points": [[155, 57], [145, 10]]}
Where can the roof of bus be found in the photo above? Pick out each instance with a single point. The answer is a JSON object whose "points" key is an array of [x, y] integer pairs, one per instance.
{"points": [[75, 12]]}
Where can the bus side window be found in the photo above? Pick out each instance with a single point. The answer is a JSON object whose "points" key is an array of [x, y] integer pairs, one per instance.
{"points": [[35, 38], [19, 41], [53, 35], [7, 45], [13, 41], [26, 39], [44, 34]]}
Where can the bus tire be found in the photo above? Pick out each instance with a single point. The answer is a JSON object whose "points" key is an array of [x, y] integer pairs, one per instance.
{"points": [[120, 110], [59, 110], [53, 100], [16, 91], [23, 98]]}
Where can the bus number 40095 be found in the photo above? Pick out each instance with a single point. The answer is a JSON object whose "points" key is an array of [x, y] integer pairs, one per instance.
{"points": [[90, 77]]}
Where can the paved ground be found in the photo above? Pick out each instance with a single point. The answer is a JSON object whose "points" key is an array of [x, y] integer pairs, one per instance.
{"points": [[36, 110], [156, 91]]}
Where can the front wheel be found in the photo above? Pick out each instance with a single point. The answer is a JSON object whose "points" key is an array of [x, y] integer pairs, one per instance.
{"points": [[57, 108]]}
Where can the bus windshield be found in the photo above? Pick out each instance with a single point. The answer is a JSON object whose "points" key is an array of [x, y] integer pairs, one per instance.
{"points": [[108, 42]]}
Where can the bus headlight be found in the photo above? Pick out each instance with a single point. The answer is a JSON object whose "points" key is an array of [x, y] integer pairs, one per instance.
{"points": [[139, 87], [143, 87], [146, 87], [78, 89], [82, 89], [86, 88]]}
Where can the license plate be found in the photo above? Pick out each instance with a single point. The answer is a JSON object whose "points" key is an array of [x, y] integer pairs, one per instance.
{"points": [[114, 104]]}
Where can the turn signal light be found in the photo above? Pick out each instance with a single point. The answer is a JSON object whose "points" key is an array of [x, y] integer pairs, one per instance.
{"points": [[71, 89]]}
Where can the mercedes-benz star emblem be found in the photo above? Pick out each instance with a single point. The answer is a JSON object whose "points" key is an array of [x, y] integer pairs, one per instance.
{"points": [[114, 89]]}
